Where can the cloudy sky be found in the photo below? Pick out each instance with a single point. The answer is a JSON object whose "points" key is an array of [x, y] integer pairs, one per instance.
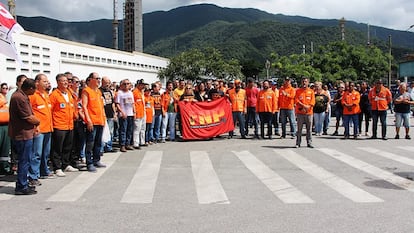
{"points": [[395, 14]]}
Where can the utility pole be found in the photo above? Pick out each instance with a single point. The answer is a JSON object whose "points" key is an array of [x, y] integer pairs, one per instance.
{"points": [[12, 8], [389, 61]]}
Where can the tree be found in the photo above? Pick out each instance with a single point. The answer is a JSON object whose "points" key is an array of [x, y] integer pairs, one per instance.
{"points": [[194, 64]]}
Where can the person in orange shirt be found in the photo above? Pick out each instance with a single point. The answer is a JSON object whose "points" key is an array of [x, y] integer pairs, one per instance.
{"points": [[139, 121], [286, 105], [266, 106], [275, 119], [238, 100], [169, 113], [304, 102], [350, 103], [149, 113], [41, 107], [379, 98], [63, 114], [93, 108]]}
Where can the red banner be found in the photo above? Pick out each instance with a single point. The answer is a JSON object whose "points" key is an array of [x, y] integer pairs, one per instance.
{"points": [[202, 120]]}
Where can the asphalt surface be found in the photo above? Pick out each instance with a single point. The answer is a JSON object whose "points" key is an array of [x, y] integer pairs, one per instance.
{"points": [[229, 185]]}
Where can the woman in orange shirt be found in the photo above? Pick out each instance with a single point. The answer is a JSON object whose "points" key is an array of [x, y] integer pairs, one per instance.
{"points": [[149, 111]]}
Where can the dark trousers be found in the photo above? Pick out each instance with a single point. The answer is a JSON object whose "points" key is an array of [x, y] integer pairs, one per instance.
{"points": [[367, 115], [61, 148], [266, 117], [382, 115], [93, 144], [79, 137], [251, 118], [24, 151]]}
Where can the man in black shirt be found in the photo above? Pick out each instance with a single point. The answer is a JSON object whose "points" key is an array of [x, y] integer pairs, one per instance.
{"points": [[109, 107]]}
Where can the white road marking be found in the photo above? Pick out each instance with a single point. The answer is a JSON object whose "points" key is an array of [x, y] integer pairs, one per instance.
{"points": [[279, 186], [78, 186], [388, 155], [207, 183], [340, 185], [142, 187], [370, 169], [6, 185]]}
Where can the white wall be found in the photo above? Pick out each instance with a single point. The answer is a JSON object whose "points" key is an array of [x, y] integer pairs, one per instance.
{"points": [[50, 55]]}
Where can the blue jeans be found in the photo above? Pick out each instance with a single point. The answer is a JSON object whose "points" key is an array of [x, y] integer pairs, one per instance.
{"points": [[284, 115], [24, 150], [354, 118], [238, 116], [382, 115], [156, 127], [93, 144], [38, 162], [126, 129], [318, 118], [169, 120]]}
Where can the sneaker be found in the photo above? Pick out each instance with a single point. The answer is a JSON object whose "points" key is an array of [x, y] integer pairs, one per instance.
{"points": [[113, 150], [27, 191], [91, 168], [310, 145], [397, 136], [71, 169], [129, 148], [162, 140], [99, 164], [335, 133], [123, 149], [137, 148], [384, 138], [34, 183], [407, 137], [59, 173], [367, 134], [297, 146]]}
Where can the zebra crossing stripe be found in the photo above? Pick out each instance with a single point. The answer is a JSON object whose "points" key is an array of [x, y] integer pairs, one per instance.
{"points": [[207, 183], [340, 185], [3, 187], [142, 187], [279, 186], [78, 186], [388, 155], [370, 169], [408, 148]]}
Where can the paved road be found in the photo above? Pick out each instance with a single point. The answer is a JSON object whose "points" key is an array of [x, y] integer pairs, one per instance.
{"points": [[229, 185]]}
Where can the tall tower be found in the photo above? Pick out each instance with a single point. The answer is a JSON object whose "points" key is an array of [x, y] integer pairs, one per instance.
{"points": [[115, 26], [12, 8], [342, 27], [133, 33]]}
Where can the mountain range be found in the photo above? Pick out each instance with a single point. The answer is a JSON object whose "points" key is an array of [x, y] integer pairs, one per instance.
{"points": [[244, 34]]}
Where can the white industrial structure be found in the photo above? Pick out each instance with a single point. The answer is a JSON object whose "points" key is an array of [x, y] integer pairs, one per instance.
{"points": [[50, 55]]}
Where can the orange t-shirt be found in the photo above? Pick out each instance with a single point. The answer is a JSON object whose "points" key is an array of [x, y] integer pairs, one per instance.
{"points": [[266, 101], [41, 107], [307, 97], [4, 110], [381, 100], [286, 97], [149, 109], [63, 110], [353, 98], [95, 106], [139, 102]]}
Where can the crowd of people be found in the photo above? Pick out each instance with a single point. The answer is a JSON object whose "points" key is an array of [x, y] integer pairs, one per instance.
{"points": [[45, 132]]}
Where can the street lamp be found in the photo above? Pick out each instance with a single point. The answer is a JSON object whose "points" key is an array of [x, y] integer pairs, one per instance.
{"points": [[267, 65]]}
